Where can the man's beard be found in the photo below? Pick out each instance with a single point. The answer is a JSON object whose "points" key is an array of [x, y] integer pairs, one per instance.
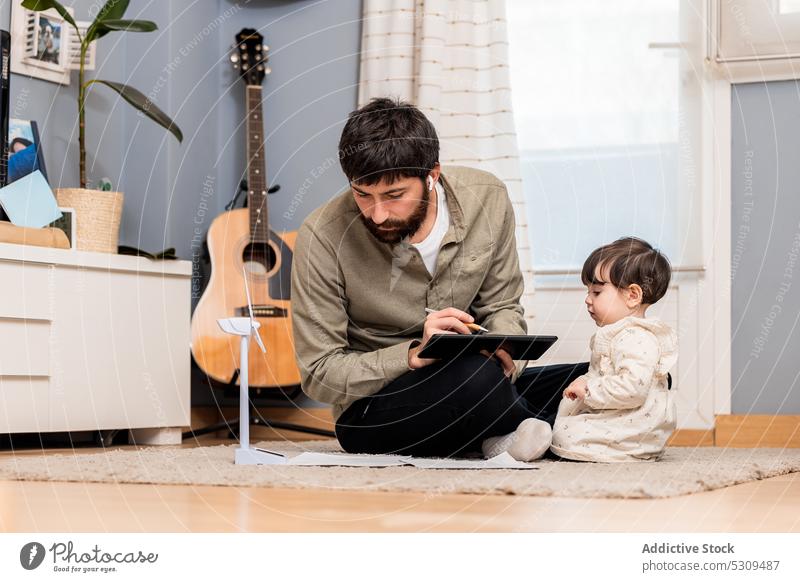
{"points": [[399, 229]]}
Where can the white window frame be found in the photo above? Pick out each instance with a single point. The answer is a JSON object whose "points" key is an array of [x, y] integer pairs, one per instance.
{"points": [[750, 69]]}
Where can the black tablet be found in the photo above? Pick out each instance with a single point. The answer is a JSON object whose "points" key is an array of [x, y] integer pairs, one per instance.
{"points": [[521, 347]]}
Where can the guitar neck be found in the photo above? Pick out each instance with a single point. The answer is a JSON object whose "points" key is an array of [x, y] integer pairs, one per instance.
{"points": [[256, 168]]}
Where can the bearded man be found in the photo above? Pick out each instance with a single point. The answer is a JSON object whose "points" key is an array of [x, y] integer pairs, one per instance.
{"points": [[410, 235]]}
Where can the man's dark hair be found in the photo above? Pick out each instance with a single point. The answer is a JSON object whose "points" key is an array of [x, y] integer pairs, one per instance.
{"points": [[630, 260], [387, 138]]}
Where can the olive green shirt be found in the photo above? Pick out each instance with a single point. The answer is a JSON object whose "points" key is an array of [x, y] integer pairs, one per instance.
{"points": [[358, 304]]}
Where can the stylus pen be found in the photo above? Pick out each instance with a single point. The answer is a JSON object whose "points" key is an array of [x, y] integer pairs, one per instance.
{"points": [[472, 326]]}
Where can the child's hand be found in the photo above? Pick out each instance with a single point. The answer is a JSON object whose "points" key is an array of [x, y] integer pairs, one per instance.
{"points": [[576, 390]]}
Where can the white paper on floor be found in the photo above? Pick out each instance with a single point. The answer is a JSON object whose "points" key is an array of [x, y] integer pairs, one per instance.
{"points": [[501, 461], [343, 459]]}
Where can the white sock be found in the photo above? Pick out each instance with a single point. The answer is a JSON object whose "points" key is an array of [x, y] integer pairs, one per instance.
{"points": [[529, 442]]}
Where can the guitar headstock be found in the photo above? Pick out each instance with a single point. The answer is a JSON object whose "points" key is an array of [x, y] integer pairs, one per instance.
{"points": [[250, 56]]}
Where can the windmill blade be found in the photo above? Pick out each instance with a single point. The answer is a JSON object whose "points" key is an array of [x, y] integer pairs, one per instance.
{"points": [[254, 331], [247, 292]]}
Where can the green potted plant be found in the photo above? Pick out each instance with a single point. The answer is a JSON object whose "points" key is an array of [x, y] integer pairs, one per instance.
{"points": [[98, 213]]}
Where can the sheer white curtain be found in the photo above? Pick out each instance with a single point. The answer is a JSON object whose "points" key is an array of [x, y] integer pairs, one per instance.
{"points": [[450, 59]]}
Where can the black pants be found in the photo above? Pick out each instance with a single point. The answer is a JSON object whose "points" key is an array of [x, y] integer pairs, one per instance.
{"points": [[448, 408]]}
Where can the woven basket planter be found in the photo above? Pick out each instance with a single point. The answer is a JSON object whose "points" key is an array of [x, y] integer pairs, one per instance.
{"points": [[97, 217]]}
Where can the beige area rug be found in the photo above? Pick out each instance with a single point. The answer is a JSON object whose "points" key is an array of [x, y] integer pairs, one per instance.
{"points": [[682, 470]]}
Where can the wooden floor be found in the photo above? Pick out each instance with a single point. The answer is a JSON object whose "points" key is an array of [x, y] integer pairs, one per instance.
{"points": [[762, 506]]}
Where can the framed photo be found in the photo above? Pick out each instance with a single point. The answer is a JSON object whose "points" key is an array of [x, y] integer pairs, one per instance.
{"points": [[67, 224], [46, 47], [24, 149], [41, 44]]}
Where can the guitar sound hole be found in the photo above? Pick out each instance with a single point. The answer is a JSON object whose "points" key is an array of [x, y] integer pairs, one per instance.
{"points": [[259, 258]]}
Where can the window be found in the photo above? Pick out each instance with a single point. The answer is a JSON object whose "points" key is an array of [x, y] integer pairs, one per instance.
{"points": [[600, 102]]}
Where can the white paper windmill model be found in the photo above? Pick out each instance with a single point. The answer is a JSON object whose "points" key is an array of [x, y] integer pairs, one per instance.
{"points": [[246, 327]]}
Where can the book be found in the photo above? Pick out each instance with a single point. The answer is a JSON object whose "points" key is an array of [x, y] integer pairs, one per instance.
{"points": [[29, 201], [5, 64]]}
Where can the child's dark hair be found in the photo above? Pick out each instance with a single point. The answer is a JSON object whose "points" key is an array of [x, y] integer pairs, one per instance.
{"points": [[630, 260], [387, 138]]}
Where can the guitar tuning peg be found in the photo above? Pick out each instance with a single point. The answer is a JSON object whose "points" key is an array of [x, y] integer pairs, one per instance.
{"points": [[267, 71], [266, 49], [234, 58]]}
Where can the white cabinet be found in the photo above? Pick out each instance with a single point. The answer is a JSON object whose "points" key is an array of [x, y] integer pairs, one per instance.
{"points": [[91, 341]]}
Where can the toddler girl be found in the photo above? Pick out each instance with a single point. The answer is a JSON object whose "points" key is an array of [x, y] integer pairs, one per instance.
{"points": [[622, 409]]}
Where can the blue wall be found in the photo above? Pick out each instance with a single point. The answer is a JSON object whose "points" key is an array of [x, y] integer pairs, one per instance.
{"points": [[765, 244]]}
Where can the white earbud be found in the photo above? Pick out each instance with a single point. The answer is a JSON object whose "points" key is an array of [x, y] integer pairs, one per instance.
{"points": [[430, 183]]}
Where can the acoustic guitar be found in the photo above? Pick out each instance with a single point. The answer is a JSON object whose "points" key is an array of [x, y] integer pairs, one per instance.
{"points": [[240, 241]]}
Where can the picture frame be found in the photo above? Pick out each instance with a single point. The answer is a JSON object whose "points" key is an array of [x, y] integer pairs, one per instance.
{"points": [[24, 149], [41, 44], [48, 42], [67, 223]]}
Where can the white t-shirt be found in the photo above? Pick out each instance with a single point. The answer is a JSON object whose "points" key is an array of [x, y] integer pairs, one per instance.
{"points": [[429, 248]]}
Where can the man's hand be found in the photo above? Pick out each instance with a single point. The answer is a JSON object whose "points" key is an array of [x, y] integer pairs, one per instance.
{"points": [[506, 362], [577, 389], [450, 320]]}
